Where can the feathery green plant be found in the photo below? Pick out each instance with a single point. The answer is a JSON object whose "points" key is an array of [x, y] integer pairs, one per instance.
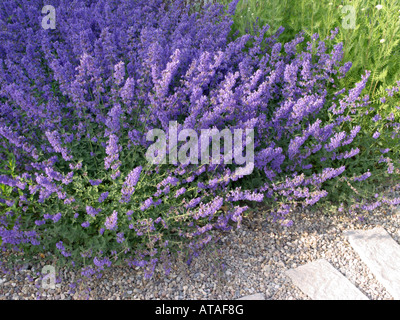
{"points": [[373, 44]]}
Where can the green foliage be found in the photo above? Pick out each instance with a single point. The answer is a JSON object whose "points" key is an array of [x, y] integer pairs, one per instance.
{"points": [[6, 191]]}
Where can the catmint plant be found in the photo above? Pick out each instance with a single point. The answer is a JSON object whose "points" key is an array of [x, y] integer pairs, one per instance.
{"points": [[78, 101]]}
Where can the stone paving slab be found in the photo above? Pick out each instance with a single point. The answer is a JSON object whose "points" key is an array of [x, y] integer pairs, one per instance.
{"points": [[381, 254], [321, 281], [256, 296]]}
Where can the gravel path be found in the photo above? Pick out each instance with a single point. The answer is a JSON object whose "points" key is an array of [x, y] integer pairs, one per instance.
{"points": [[250, 260]]}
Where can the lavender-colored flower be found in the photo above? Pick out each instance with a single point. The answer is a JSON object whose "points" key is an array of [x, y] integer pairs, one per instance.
{"points": [[120, 237], [112, 151], [130, 182], [193, 203], [180, 192], [376, 118], [115, 175], [85, 224], [127, 91], [60, 246], [55, 141], [92, 211], [111, 221], [95, 182], [119, 72], [69, 200], [147, 204], [113, 120], [103, 196], [133, 177], [57, 217], [351, 153], [363, 177]]}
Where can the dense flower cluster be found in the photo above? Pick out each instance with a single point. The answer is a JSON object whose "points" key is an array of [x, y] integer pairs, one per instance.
{"points": [[77, 102]]}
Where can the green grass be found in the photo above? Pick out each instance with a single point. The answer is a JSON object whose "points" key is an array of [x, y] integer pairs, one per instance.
{"points": [[362, 45]]}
